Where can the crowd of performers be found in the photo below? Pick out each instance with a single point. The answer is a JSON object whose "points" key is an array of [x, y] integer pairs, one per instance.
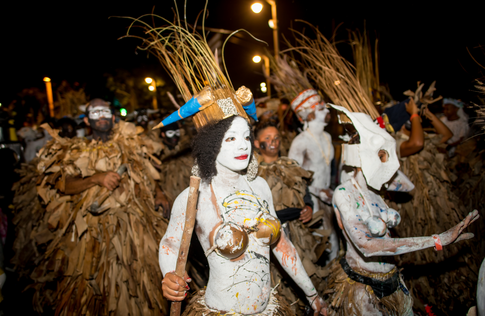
{"points": [[100, 219]]}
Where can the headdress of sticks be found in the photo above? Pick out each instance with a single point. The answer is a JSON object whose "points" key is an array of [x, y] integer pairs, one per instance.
{"points": [[195, 71]]}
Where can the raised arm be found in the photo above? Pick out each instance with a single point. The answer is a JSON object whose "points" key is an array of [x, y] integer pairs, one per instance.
{"points": [[369, 246], [440, 127], [416, 139]]}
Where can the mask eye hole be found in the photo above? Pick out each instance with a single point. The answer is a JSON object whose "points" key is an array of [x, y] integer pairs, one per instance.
{"points": [[383, 155]]}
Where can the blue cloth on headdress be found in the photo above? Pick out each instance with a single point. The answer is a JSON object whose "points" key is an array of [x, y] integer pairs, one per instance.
{"points": [[190, 108], [398, 115], [251, 110], [455, 102]]}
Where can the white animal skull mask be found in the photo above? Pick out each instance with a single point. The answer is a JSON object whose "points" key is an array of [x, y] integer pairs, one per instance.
{"points": [[372, 140]]}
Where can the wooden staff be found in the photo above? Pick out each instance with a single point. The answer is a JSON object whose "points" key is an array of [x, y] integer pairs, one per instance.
{"points": [[190, 214]]}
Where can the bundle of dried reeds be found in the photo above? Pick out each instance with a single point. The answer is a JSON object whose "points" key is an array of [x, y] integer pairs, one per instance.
{"points": [[188, 59], [85, 261], [366, 64], [287, 77], [334, 75]]}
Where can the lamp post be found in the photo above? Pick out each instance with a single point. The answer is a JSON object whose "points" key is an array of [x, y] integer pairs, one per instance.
{"points": [[257, 59], [256, 8], [50, 99], [153, 88]]}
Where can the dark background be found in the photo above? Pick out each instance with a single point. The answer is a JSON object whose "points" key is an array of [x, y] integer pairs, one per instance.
{"points": [[78, 41]]}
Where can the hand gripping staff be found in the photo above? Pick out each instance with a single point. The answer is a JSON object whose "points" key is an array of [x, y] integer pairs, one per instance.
{"points": [[190, 214]]}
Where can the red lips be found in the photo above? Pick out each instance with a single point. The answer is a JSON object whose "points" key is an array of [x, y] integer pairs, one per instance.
{"points": [[242, 157]]}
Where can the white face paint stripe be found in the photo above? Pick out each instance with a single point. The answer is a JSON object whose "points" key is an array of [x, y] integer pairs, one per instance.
{"points": [[99, 111]]}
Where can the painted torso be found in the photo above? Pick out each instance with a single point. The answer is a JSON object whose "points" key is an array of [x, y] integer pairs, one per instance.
{"points": [[354, 210], [308, 153], [242, 285]]}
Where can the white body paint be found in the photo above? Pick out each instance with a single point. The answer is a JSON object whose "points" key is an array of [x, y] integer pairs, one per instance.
{"points": [[481, 290], [241, 286], [364, 251], [307, 149]]}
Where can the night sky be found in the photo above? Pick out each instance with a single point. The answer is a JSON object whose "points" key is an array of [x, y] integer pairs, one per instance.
{"points": [[78, 41]]}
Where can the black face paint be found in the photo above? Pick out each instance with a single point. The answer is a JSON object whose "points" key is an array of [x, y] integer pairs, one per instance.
{"points": [[171, 142], [101, 128], [262, 145]]}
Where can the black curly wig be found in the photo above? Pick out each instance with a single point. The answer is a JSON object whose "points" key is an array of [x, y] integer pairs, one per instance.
{"points": [[207, 145]]}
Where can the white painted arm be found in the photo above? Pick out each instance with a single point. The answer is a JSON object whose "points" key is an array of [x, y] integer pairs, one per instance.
{"points": [[287, 255], [376, 246], [170, 243], [297, 149]]}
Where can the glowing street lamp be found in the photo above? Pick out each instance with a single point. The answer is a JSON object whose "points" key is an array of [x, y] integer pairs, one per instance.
{"points": [[256, 7], [257, 59], [153, 88], [50, 98], [273, 23]]}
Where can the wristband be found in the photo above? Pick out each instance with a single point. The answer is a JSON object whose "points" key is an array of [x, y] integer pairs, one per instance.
{"points": [[437, 243], [413, 116]]}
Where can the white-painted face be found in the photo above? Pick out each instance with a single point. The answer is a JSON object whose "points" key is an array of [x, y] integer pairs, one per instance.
{"points": [[321, 112], [236, 146]]}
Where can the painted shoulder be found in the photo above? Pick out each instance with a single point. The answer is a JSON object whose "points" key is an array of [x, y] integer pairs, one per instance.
{"points": [[260, 185], [342, 193], [181, 200]]}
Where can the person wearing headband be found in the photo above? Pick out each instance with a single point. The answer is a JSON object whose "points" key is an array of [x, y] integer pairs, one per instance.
{"points": [[313, 150], [456, 120]]}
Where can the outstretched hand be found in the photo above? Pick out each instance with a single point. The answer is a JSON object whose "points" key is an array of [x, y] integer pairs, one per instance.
{"points": [[174, 288], [318, 305], [455, 234]]}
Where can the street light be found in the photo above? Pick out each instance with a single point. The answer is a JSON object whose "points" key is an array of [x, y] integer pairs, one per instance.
{"points": [[50, 98], [153, 88], [257, 59], [257, 7]]}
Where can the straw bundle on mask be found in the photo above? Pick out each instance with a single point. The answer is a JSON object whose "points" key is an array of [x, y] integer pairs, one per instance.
{"points": [[334, 76]]}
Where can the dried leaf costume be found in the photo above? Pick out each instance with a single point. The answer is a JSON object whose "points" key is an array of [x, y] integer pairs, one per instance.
{"points": [[434, 205], [288, 183], [93, 253]]}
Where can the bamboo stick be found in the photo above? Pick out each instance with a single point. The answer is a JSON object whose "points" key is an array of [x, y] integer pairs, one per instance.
{"points": [[190, 214]]}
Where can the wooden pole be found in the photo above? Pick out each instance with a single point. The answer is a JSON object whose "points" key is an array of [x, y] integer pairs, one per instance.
{"points": [[190, 214]]}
